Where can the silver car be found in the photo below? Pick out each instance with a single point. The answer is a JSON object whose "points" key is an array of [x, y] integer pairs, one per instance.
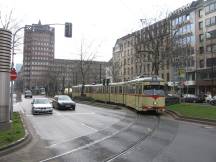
{"points": [[41, 105]]}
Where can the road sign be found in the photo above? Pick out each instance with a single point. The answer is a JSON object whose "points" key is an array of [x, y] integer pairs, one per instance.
{"points": [[13, 74]]}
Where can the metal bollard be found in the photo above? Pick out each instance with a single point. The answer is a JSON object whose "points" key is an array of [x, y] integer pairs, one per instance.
{"points": [[5, 52]]}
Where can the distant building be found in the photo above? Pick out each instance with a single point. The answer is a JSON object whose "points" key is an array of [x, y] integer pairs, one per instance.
{"points": [[39, 44], [66, 73]]}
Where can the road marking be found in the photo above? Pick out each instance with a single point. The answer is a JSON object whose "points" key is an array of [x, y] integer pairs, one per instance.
{"points": [[208, 127], [87, 145], [89, 127]]}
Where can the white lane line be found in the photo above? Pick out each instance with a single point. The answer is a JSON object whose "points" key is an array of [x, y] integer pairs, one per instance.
{"points": [[87, 145], [89, 127]]}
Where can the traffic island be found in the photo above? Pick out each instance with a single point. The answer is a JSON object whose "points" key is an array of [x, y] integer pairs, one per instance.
{"points": [[15, 137], [199, 113]]}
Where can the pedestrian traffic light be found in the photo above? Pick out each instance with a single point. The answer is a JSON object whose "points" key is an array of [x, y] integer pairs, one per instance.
{"points": [[68, 30]]}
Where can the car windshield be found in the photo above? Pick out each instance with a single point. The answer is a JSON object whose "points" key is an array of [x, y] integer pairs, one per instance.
{"points": [[64, 98], [41, 101]]}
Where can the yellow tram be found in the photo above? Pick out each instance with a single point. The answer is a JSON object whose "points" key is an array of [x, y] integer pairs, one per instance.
{"points": [[142, 94]]}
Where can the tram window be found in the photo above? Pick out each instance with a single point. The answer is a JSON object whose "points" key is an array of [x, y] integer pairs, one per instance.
{"points": [[139, 89], [120, 89], [112, 89], [132, 89], [115, 90]]}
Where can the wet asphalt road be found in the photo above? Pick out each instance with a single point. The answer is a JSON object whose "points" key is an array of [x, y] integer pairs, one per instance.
{"points": [[92, 134]]}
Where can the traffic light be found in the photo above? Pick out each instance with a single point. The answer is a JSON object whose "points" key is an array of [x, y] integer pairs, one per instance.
{"points": [[68, 30]]}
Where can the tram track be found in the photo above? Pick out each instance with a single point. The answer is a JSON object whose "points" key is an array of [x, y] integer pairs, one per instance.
{"points": [[130, 129], [133, 146]]}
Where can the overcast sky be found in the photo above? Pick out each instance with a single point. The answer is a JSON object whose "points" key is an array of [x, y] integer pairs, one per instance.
{"points": [[99, 23]]}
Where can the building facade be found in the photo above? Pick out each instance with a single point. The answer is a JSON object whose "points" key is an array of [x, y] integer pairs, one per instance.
{"points": [[142, 53], [187, 52], [38, 54], [66, 73], [206, 46]]}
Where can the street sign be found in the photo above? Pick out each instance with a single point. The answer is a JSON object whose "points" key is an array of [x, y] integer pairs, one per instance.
{"points": [[13, 74]]}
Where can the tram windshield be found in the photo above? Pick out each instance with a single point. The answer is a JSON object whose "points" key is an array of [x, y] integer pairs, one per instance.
{"points": [[154, 90]]}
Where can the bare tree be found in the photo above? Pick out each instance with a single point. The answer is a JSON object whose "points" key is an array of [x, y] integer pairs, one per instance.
{"points": [[154, 43], [115, 71], [8, 22], [86, 60]]}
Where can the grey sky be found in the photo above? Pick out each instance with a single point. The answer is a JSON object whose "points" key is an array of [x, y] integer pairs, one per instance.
{"points": [[97, 22]]}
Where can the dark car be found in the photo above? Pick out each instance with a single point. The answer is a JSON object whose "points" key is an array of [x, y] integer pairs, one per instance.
{"points": [[190, 98], [63, 102], [28, 93], [171, 99]]}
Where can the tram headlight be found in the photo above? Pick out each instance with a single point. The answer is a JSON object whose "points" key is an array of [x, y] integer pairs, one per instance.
{"points": [[155, 103]]}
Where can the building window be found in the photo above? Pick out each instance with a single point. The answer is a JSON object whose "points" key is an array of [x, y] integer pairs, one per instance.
{"points": [[210, 8], [210, 21], [201, 63], [201, 25], [201, 37], [200, 13], [168, 78], [207, 22], [201, 50]]}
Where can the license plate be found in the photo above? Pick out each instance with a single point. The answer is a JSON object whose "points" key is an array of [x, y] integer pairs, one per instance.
{"points": [[67, 105]]}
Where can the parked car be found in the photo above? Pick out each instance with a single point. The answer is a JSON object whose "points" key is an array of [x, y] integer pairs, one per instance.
{"points": [[28, 93], [190, 98], [63, 102], [41, 105], [171, 99], [208, 98], [213, 101]]}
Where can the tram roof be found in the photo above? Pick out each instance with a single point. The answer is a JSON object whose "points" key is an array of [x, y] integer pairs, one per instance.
{"points": [[142, 79]]}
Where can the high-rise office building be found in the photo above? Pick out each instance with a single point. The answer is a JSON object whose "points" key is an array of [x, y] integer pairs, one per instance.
{"points": [[39, 43]]}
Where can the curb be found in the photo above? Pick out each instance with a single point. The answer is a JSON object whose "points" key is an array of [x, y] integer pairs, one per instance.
{"points": [[178, 116], [19, 143]]}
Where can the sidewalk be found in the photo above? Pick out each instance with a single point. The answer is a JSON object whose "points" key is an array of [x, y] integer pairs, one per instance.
{"points": [[20, 142]]}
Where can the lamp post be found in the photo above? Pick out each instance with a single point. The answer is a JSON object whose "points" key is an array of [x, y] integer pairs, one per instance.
{"points": [[12, 66]]}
